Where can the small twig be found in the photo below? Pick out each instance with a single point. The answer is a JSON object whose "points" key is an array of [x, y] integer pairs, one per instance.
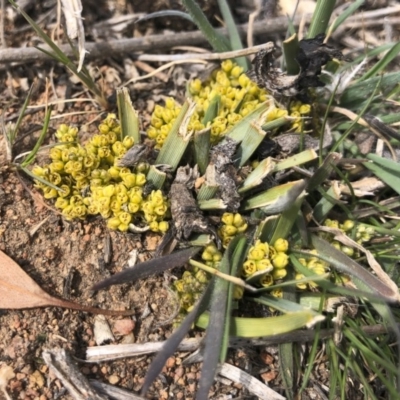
{"points": [[150, 70], [206, 56], [118, 351]]}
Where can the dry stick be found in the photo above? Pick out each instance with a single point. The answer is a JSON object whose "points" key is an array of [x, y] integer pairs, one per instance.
{"points": [[157, 42], [206, 56], [113, 352], [148, 43]]}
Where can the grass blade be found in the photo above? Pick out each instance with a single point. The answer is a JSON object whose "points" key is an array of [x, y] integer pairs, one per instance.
{"points": [[178, 138], [382, 64], [32, 155], [277, 199], [234, 36], [216, 41], [217, 337], [148, 268], [321, 17], [128, 116], [352, 7], [174, 340], [362, 278], [389, 176]]}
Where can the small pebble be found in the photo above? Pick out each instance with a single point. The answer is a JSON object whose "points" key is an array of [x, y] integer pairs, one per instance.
{"points": [[113, 379]]}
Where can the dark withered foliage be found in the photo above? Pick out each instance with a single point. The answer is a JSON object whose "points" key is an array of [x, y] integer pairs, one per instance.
{"points": [[222, 159], [186, 215], [313, 54]]}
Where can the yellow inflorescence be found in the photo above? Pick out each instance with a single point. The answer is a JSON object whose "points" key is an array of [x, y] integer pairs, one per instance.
{"points": [[271, 259], [232, 224], [91, 182], [316, 265], [299, 111], [238, 96], [193, 282], [359, 233]]}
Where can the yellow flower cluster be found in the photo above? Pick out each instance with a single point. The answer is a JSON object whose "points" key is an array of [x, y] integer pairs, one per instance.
{"points": [[193, 282], [362, 233], [211, 256], [232, 224], [271, 259], [237, 95], [163, 118], [233, 95], [299, 111], [316, 265], [90, 181]]}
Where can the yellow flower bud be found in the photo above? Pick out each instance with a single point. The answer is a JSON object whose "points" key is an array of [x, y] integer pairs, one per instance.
{"points": [[104, 129], [279, 273], [123, 227], [238, 292], [39, 171], [140, 179], [206, 256], [249, 268], [108, 191], [161, 210], [301, 285], [55, 178], [49, 193], [217, 257], [264, 265], [129, 180], [55, 153], [227, 65], [349, 251], [266, 280], [125, 217], [135, 197], [104, 152], [128, 142], [79, 211], [153, 226], [115, 206], [133, 208], [61, 203], [65, 191], [244, 80], [236, 71], [238, 220], [163, 226], [347, 225], [230, 230], [227, 218], [281, 260], [305, 109], [281, 245], [256, 254]]}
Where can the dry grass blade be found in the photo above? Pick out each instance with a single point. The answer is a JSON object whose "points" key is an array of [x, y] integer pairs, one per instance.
{"points": [[74, 22], [18, 291], [175, 340], [150, 267]]}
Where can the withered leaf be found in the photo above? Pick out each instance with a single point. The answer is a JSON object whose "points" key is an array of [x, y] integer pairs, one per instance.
{"points": [[18, 290]]}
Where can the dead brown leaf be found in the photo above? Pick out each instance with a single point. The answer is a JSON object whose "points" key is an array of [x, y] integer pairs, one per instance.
{"points": [[18, 290]]}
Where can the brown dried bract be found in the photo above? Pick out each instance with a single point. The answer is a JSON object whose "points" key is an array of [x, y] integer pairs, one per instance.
{"points": [[186, 215], [313, 54], [222, 160]]}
